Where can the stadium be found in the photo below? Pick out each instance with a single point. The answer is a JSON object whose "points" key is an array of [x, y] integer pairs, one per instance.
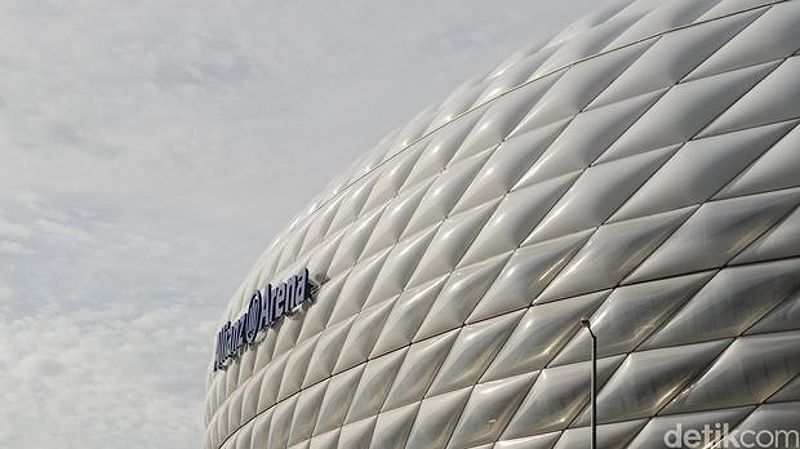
{"points": [[639, 170]]}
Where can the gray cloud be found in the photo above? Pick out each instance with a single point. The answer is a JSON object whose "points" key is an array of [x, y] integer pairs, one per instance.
{"points": [[151, 149]]}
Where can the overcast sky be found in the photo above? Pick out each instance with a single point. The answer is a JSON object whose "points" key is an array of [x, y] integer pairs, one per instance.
{"points": [[149, 151]]}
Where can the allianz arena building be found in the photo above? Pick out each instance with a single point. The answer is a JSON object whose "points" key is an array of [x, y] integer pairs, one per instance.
{"points": [[641, 170]]}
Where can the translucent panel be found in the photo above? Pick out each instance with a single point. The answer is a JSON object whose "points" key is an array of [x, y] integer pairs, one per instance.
{"points": [[730, 303], [526, 274], [507, 165], [391, 429], [587, 43], [586, 137], [320, 223], [291, 249], [511, 61], [672, 57], [244, 437], [777, 243], [463, 290], [406, 317], [615, 435], [771, 101], [598, 16], [784, 317], [268, 393], [336, 402], [459, 103], [699, 169], [515, 217], [250, 398], [261, 430], [662, 429], [363, 335], [393, 222], [370, 160], [399, 265], [452, 239], [505, 78], [484, 446], [445, 192], [557, 395], [287, 330], [442, 147], [544, 441], [684, 110], [374, 386], [472, 352], [578, 86], [748, 372], [540, 335], [305, 413], [296, 367], [234, 412], [281, 420], [597, 193], [320, 259], [774, 425], [328, 440], [502, 116], [774, 35], [354, 240], [436, 419], [666, 16], [642, 307], [789, 392], [231, 379], [357, 435], [732, 6], [316, 318], [351, 205], [611, 253], [412, 131], [489, 409], [357, 286], [716, 233], [419, 368], [221, 425], [776, 169], [648, 380]]}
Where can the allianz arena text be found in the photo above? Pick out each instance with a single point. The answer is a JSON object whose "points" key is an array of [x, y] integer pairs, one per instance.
{"points": [[641, 170]]}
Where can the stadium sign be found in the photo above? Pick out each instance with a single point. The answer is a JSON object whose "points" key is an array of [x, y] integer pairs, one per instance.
{"points": [[264, 309]]}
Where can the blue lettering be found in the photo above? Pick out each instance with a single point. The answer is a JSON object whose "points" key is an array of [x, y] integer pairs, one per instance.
{"points": [[291, 303], [262, 311], [253, 317], [280, 291]]}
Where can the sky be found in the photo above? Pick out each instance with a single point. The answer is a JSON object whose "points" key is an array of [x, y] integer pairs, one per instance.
{"points": [[150, 150]]}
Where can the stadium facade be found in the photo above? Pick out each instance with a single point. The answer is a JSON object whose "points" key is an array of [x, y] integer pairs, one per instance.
{"points": [[641, 169]]}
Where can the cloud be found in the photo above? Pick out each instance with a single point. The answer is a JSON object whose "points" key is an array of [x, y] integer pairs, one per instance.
{"points": [[5, 292], [13, 230], [97, 379], [151, 149]]}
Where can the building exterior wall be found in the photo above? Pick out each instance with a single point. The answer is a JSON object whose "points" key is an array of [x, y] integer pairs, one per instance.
{"points": [[642, 168]]}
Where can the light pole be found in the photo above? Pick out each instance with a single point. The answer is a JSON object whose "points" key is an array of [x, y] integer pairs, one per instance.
{"points": [[585, 323]]}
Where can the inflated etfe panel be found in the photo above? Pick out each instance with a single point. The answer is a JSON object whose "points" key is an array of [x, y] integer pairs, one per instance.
{"points": [[642, 168]]}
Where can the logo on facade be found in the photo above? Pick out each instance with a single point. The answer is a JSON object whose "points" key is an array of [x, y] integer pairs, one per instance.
{"points": [[263, 311]]}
